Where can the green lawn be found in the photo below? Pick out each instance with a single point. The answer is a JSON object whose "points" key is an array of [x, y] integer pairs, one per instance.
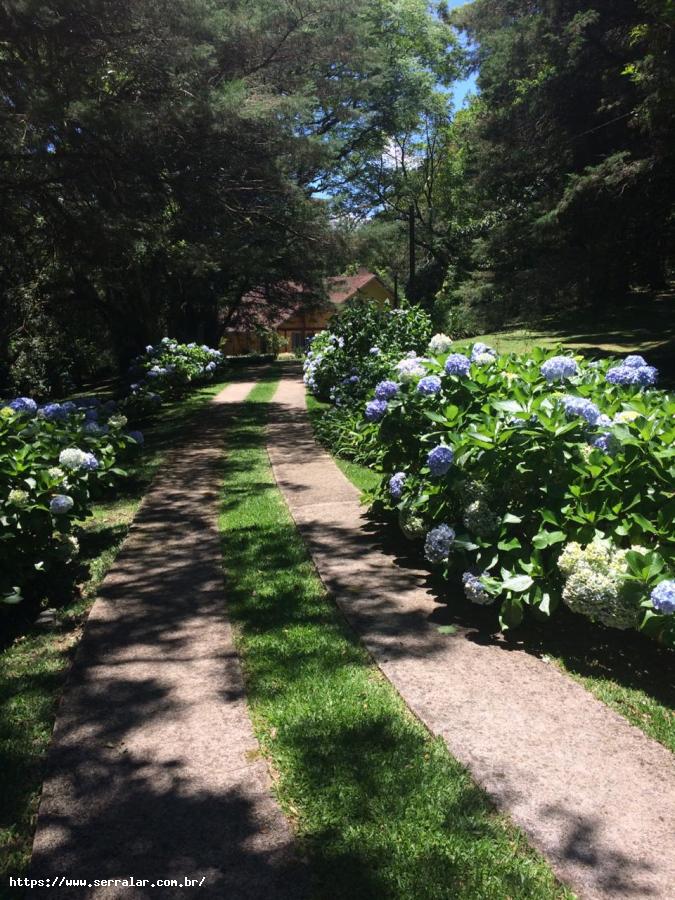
{"points": [[33, 668], [646, 325], [381, 808]]}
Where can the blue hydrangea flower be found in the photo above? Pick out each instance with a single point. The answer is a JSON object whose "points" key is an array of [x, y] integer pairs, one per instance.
{"points": [[24, 405], [61, 504], [439, 460], [396, 484], [376, 409], [91, 415], [95, 429], [438, 543], [69, 407], [559, 367], [430, 384], [385, 390], [375, 351], [580, 406], [137, 436], [53, 412], [210, 367], [474, 590], [663, 597], [458, 364], [645, 376], [479, 350], [607, 442], [90, 463], [353, 379], [634, 362]]}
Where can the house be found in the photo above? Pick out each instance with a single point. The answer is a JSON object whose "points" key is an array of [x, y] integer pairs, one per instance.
{"points": [[293, 316]]}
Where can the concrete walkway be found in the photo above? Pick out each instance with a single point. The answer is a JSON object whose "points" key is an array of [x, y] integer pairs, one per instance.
{"points": [[591, 791], [154, 769]]}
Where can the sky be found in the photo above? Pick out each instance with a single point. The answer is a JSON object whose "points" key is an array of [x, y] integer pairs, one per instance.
{"points": [[462, 88]]}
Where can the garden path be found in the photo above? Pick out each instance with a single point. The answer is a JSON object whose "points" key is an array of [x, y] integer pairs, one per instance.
{"points": [[593, 793], [154, 770]]}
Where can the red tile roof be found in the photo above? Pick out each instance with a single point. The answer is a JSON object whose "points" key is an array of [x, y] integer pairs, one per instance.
{"points": [[269, 308]]}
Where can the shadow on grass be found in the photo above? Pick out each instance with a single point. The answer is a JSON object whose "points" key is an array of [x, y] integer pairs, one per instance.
{"points": [[384, 810]]}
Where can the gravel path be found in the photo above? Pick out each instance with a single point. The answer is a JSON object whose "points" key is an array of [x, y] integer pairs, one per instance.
{"points": [[593, 793], [154, 770]]}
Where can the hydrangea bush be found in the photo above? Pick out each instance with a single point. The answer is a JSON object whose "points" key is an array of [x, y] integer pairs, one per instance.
{"points": [[554, 476], [53, 460], [170, 369], [346, 361]]}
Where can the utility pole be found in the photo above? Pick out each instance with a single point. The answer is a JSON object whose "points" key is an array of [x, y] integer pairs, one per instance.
{"points": [[411, 238]]}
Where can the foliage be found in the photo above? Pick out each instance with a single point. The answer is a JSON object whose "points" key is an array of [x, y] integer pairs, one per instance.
{"points": [[347, 360], [53, 461], [160, 158], [523, 457], [171, 369]]}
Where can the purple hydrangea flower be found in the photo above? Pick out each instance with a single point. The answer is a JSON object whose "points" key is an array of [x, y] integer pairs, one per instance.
{"points": [[663, 597], [396, 484], [385, 390], [24, 405], [458, 364], [559, 367], [438, 543], [429, 385], [439, 460], [376, 409]]}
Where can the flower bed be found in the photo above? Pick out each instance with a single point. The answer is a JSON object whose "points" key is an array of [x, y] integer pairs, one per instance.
{"points": [[534, 479], [54, 459]]}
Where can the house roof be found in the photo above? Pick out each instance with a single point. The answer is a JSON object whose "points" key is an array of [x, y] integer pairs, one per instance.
{"points": [[343, 287], [270, 307]]}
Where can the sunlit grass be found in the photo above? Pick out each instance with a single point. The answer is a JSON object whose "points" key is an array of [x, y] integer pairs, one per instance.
{"points": [[381, 808]]}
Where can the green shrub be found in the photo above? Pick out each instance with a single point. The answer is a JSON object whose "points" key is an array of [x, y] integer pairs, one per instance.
{"points": [[172, 369], [534, 479], [346, 361], [53, 461]]}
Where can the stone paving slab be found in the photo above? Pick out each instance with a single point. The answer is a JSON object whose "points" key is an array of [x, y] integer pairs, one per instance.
{"points": [[592, 792], [154, 770]]}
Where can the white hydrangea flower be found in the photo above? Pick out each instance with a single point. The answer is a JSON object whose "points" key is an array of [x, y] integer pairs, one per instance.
{"points": [[596, 583], [440, 343]]}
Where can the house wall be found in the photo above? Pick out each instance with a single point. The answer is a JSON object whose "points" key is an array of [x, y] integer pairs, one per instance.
{"points": [[298, 328]]}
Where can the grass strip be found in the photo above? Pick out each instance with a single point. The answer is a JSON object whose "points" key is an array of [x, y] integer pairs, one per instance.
{"points": [[381, 808], [33, 668]]}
